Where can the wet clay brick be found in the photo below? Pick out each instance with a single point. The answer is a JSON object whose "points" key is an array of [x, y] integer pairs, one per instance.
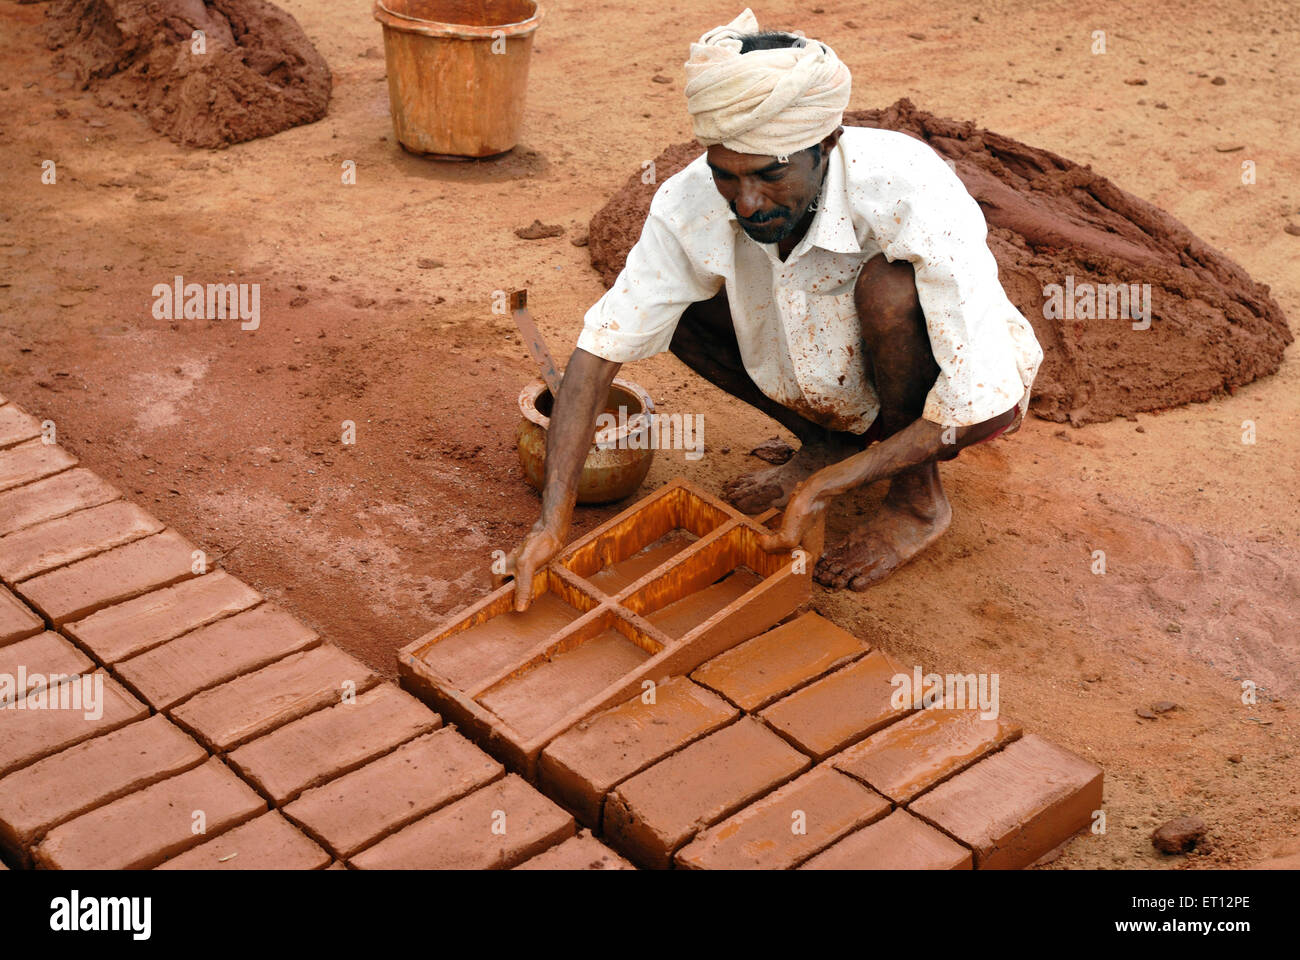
{"points": [[909, 757], [256, 703], [682, 616], [1017, 805], [55, 543], [648, 817], [759, 671], [74, 591], [583, 852], [898, 842], [57, 496], [121, 631], [352, 812], [614, 578], [787, 826], [584, 763], [94, 772], [38, 658], [468, 656], [205, 657], [30, 730], [144, 828], [17, 621], [839, 709], [531, 702], [16, 426], [268, 843], [30, 461], [333, 741], [503, 824]]}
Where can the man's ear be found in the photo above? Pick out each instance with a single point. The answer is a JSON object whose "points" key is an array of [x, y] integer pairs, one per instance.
{"points": [[829, 141]]}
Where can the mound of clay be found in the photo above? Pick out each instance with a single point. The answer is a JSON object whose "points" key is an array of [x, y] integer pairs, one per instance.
{"points": [[1212, 328], [258, 74]]}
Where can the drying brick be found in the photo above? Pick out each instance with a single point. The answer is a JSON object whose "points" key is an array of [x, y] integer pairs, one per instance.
{"points": [[494, 828], [74, 591], [332, 742], [648, 817], [582, 765], [29, 732], [787, 826], [898, 842], [55, 543], [907, 758], [31, 461], [210, 655], [352, 812], [583, 852], [39, 658], [268, 843], [17, 425], [839, 709], [256, 703], [54, 497], [772, 664], [17, 621], [1017, 805], [121, 631], [144, 828], [88, 775]]}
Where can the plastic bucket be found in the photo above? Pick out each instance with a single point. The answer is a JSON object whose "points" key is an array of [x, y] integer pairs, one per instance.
{"points": [[457, 72]]}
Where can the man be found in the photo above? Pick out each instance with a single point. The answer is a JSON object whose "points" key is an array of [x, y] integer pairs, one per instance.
{"points": [[837, 280]]}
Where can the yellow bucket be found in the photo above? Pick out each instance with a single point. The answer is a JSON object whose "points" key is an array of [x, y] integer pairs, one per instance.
{"points": [[457, 72]]}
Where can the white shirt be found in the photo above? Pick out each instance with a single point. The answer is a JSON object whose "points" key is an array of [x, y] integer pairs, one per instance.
{"points": [[796, 323]]}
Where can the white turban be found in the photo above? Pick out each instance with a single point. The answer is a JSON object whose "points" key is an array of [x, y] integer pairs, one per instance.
{"points": [[772, 102]]}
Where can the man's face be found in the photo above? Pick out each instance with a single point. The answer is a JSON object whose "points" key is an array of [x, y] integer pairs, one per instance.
{"points": [[768, 197]]}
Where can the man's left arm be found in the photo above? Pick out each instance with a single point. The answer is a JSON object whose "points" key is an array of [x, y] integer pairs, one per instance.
{"points": [[939, 228]]}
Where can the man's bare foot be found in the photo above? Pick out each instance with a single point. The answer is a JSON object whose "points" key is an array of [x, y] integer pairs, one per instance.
{"points": [[915, 513], [771, 487]]}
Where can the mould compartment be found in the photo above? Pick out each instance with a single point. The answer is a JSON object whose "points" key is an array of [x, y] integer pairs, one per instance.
{"points": [[570, 672], [617, 554], [693, 590], [492, 638]]}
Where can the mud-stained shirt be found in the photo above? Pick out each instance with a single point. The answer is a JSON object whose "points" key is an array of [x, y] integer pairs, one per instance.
{"points": [[796, 322]]}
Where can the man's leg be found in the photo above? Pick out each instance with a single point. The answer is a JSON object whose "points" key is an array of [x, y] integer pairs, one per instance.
{"points": [[705, 340], [896, 348]]}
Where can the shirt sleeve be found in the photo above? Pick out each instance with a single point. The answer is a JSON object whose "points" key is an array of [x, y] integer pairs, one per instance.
{"points": [[986, 360], [636, 317]]}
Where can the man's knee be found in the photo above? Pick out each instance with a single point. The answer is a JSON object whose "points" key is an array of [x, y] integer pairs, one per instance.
{"points": [[885, 296]]}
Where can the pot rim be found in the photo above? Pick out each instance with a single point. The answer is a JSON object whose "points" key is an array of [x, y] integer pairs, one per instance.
{"points": [[612, 435], [393, 20]]}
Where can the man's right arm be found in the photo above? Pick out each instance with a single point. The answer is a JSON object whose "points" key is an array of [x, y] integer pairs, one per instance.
{"points": [[583, 393]]}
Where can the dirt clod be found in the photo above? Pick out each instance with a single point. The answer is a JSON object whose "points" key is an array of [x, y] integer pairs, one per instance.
{"points": [[539, 231], [773, 450], [1178, 835]]}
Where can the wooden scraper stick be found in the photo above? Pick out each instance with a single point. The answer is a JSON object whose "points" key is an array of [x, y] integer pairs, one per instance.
{"points": [[533, 339]]}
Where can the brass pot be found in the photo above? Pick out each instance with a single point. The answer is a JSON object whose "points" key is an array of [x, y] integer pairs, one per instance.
{"points": [[620, 454]]}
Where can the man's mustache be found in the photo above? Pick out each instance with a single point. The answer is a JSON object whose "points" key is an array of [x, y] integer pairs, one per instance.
{"points": [[776, 214]]}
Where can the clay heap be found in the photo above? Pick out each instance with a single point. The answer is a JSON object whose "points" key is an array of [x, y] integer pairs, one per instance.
{"points": [[1133, 311], [250, 73]]}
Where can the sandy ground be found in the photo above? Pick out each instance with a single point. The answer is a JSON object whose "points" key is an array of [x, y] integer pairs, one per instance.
{"points": [[233, 436]]}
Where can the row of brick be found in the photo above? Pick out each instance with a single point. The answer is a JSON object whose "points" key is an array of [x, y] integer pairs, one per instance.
{"points": [[228, 736], [786, 751]]}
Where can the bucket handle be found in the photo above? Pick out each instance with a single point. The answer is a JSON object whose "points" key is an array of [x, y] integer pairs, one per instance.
{"points": [[457, 27]]}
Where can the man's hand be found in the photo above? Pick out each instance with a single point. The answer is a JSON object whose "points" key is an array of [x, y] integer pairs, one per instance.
{"points": [[801, 512], [582, 395], [541, 544]]}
